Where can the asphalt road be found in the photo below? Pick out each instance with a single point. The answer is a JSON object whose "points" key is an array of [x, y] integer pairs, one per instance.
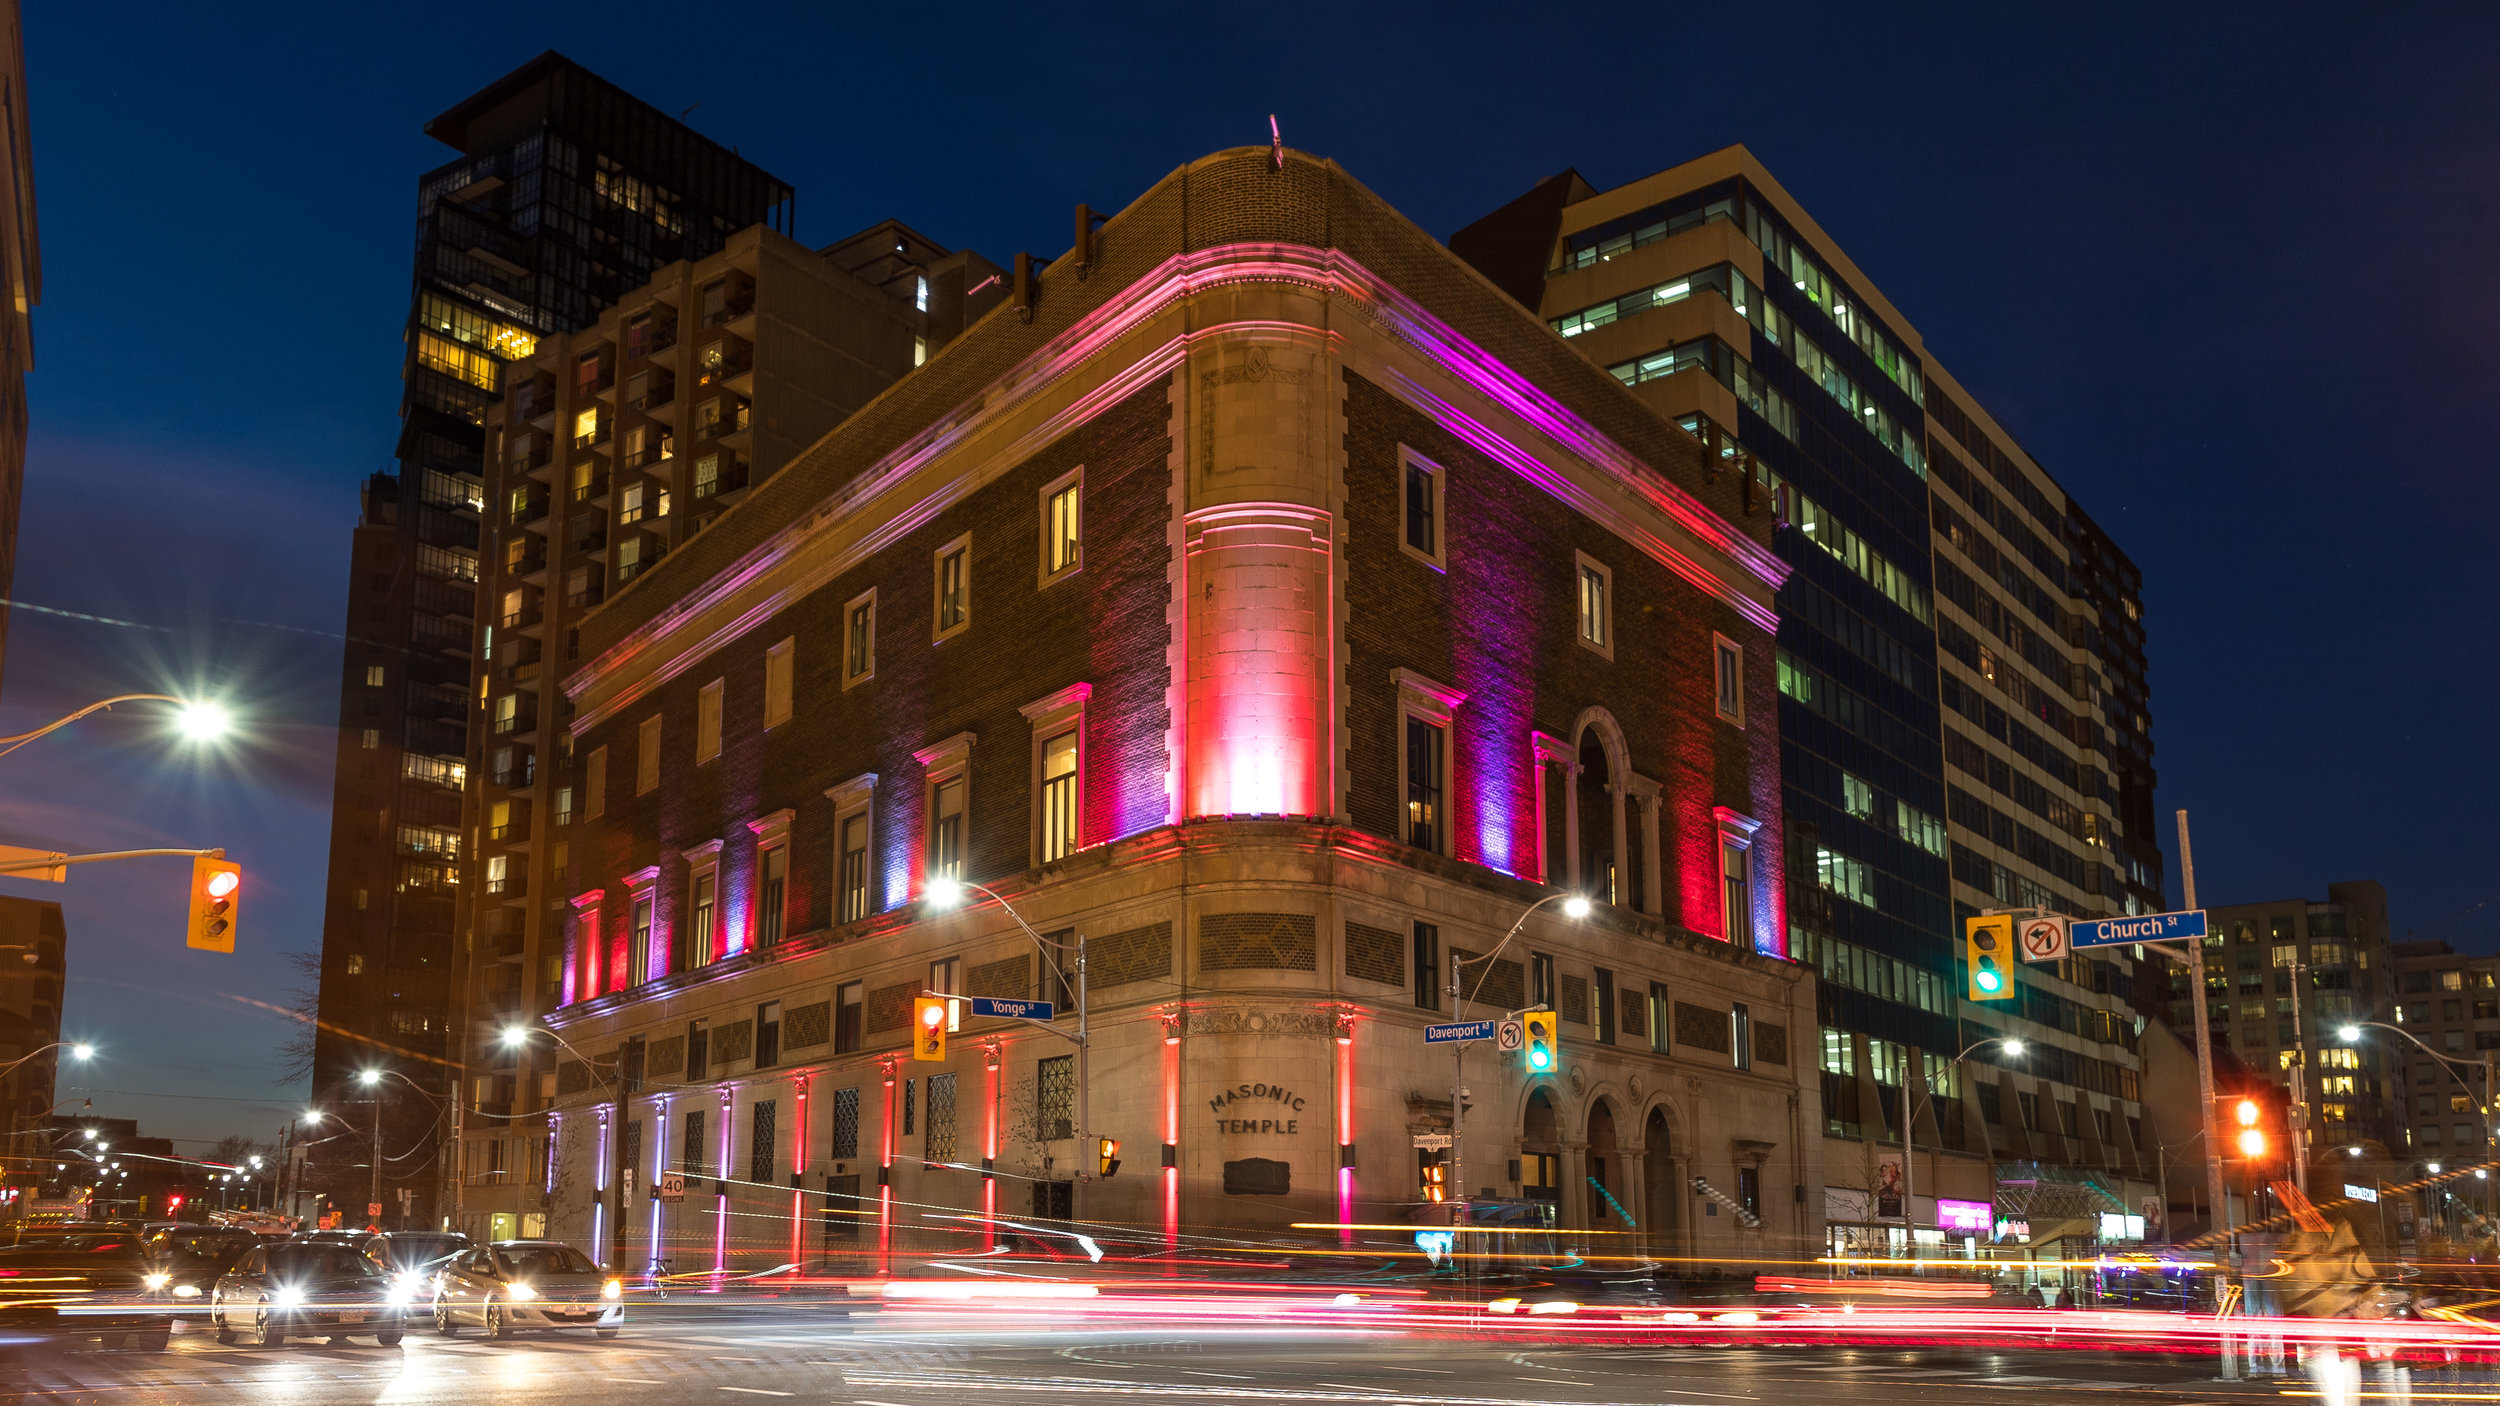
{"points": [[727, 1355]]}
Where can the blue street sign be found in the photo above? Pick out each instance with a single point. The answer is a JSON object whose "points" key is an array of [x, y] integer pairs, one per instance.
{"points": [[2148, 927], [1461, 1030], [1014, 1010]]}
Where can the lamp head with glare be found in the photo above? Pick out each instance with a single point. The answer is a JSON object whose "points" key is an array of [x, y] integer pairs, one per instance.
{"points": [[82, 1051], [369, 1077], [1575, 907], [943, 892], [2012, 1047], [2349, 1034], [202, 721], [515, 1037]]}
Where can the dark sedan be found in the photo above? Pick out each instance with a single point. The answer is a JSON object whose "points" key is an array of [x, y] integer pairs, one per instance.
{"points": [[193, 1257], [89, 1287], [299, 1288]]}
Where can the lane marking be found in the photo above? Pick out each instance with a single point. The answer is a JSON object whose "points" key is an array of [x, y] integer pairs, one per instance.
{"points": [[640, 1381], [1236, 1376], [754, 1391], [1436, 1371], [1349, 1386], [868, 1401], [1558, 1381]]}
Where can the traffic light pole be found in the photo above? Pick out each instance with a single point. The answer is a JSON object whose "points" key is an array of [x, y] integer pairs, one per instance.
{"points": [[2215, 1188]]}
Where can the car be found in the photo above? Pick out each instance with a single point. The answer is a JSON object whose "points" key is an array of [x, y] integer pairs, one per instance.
{"points": [[515, 1284], [90, 1286], [307, 1288], [191, 1258], [413, 1257]]}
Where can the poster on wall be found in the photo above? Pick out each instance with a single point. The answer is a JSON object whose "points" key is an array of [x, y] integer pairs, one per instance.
{"points": [[1888, 1186]]}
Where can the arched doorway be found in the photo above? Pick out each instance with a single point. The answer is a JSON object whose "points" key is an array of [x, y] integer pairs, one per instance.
{"points": [[1605, 1169], [1599, 876], [1540, 1151], [1661, 1196]]}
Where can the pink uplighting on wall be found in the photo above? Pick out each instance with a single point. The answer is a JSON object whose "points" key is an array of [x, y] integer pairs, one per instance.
{"points": [[1259, 650]]}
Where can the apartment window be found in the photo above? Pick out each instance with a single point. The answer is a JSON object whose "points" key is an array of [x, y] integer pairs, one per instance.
{"points": [[701, 939], [595, 784], [1659, 1013], [647, 757], [854, 866], [639, 958], [859, 639], [772, 880], [373, 676], [946, 828], [953, 569], [1736, 834], [1062, 509], [946, 978], [1730, 660], [1419, 508], [1602, 1018], [920, 294], [1059, 797], [919, 351], [767, 1036], [1427, 967], [707, 722], [1597, 587], [1427, 753], [1740, 1036], [849, 1005], [372, 739], [779, 663]]}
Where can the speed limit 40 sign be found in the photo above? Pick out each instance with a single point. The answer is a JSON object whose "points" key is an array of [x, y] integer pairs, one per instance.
{"points": [[2042, 939]]}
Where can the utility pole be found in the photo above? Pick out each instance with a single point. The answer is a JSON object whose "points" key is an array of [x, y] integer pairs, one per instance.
{"points": [[1088, 1156], [2214, 1184], [2300, 1074], [374, 1203]]}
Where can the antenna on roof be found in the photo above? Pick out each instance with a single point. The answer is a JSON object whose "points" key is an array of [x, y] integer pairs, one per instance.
{"points": [[689, 110], [1276, 145]]}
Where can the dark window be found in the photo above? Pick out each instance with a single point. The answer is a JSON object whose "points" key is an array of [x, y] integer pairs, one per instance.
{"points": [[1054, 1200], [1422, 508], [1055, 1085], [1540, 980], [1423, 784], [760, 1146], [843, 1208], [1058, 973], [845, 1123], [691, 1159], [941, 1147], [1427, 966], [768, 902], [911, 1089], [1749, 1189], [698, 1052], [767, 1034], [848, 1004]]}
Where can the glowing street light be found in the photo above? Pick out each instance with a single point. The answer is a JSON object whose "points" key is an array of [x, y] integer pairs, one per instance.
{"points": [[197, 719]]}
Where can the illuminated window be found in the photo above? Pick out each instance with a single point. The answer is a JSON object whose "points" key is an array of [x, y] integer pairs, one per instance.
{"points": [[587, 430], [859, 639], [640, 955], [1596, 590], [702, 934], [779, 666], [1426, 758], [1730, 660], [919, 351], [946, 828], [461, 363], [1059, 797], [1736, 891], [630, 507], [707, 722], [920, 294], [1857, 797], [372, 738], [952, 568], [1062, 510], [772, 882], [946, 978], [647, 757], [855, 868]]}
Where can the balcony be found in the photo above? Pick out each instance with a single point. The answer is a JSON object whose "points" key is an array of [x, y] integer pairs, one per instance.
{"points": [[716, 474], [732, 419], [595, 436], [520, 774], [595, 540], [531, 453], [646, 391], [595, 486], [509, 886], [527, 510], [650, 454], [590, 594], [728, 300], [721, 359], [518, 722], [523, 618], [511, 832]]}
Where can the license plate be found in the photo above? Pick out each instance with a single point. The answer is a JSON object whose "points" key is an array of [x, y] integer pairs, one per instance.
{"points": [[353, 1315]]}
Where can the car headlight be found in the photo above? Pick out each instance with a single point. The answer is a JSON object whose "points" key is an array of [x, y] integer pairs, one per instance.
{"points": [[186, 1291], [399, 1293], [157, 1282], [288, 1298], [521, 1293], [613, 1289]]}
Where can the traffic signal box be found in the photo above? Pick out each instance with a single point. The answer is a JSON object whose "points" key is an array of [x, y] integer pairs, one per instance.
{"points": [[2248, 1135], [1108, 1156], [928, 1027], [215, 884], [1988, 950], [1543, 1050]]}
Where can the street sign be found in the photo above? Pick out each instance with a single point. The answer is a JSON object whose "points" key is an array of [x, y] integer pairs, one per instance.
{"points": [[672, 1186], [2043, 939], [1014, 1010], [1510, 1036], [2147, 927], [1457, 1031], [373, 1210]]}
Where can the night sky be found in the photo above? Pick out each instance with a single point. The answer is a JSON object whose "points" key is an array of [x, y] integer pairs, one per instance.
{"points": [[2218, 268]]}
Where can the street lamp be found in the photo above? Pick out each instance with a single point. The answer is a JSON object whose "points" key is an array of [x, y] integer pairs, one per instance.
{"points": [[1909, 1142], [372, 1079], [945, 891], [2350, 1034], [1575, 907], [197, 719]]}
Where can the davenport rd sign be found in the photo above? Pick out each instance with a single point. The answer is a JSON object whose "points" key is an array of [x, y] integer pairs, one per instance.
{"points": [[1258, 1096]]}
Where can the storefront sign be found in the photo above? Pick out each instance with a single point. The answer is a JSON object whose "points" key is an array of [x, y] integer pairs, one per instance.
{"points": [[1965, 1217], [1278, 1094], [2360, 1193], [2017, 1230], [2117, 1227]]}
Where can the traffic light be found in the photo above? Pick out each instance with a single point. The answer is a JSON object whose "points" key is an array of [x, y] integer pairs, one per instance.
{"points": [[214, 883], [1543, 1050], [928, 1023], [1988, 947], [2251, 1139], [1109, 1155]]}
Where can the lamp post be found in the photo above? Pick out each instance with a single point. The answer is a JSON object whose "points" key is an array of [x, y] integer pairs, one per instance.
{"points": [[946, 891], [2350, 1034], [197, 719], [1909, 1139], [1575, 906], [516, 1036], [78, 1050]]}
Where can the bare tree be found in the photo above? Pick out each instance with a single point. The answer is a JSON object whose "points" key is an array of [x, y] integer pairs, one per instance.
{"points": [[303, 1001]]}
